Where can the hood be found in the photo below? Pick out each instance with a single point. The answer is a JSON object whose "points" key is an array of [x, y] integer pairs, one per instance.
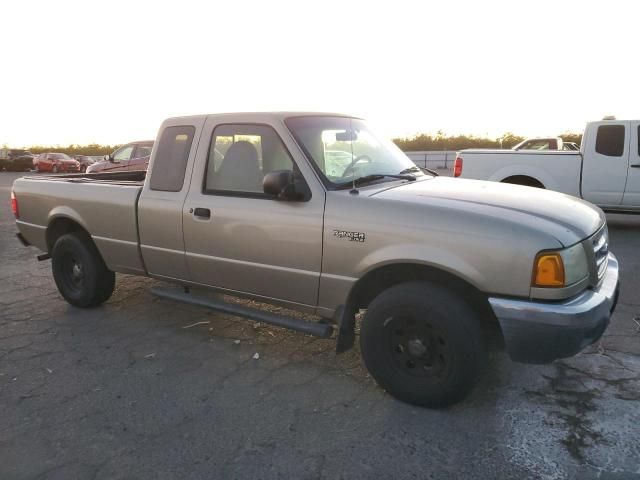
{"points": [[567, 218]]}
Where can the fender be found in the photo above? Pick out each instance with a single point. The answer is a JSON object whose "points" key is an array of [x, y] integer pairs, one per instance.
{"points": [[525, 170]]}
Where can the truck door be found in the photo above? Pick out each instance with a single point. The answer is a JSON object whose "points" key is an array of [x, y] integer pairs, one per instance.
{"points": [[605, 162], [632, 190], [236, 237], [162, 199]]}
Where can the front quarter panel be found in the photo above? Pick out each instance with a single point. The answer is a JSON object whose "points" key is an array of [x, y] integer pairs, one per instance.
{"points": [[489, 252]]}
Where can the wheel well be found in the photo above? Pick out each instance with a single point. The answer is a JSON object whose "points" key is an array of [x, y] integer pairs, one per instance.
{"points": [[378, 280], [525, 180], [61, 226]]}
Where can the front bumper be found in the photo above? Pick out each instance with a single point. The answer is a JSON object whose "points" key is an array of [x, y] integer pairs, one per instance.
{"points": [[540, 332]]}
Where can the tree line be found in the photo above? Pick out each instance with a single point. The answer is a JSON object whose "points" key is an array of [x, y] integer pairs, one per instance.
{"points": [[440, 141], [422, 141], [91, 149]]}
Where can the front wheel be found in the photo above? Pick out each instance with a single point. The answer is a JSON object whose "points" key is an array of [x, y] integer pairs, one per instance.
{"points": [[422, 344], [80, 274]]}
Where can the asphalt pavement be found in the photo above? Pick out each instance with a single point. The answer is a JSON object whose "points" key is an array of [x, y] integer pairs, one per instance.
{"points": [[143, 388]]}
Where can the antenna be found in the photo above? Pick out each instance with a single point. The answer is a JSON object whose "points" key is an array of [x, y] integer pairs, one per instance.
{"points": [[354, 190]]}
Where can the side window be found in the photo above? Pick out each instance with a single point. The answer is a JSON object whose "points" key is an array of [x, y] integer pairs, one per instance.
{"points": [[241, 155], [123, 154], [610, 140], [170, 163]]}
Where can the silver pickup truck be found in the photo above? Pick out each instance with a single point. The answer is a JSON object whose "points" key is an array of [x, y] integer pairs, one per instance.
{"points": [[317, 213]]}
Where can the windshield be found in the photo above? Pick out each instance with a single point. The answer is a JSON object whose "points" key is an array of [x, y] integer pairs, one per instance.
{"points": [[345, 149], [60, 156]]}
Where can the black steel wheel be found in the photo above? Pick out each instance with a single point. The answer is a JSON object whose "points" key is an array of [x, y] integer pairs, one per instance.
{"points": [[418, 348], [80, 274], [422, 344]]}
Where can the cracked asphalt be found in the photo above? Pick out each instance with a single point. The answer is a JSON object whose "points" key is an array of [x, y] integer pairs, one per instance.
{"points": [[143, 388]]}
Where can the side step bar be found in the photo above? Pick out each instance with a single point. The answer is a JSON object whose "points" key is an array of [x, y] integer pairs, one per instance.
{"points": [[322, 330]]}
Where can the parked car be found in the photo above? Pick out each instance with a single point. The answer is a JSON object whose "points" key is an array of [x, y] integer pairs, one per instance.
{"points": [[243, 204], [17, 160], [84, 161], [606, 170], [545, 143], [336, 161], [132, 156], [56, 162]]}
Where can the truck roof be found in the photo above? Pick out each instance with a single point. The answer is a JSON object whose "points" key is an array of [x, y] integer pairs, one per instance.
{"points": [[280, 115]]}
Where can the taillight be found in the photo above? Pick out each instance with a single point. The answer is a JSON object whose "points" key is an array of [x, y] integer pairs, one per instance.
{"points": [[14, 205], [457, 167]]}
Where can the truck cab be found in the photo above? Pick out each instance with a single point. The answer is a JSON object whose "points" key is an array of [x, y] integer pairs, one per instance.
{"points": [[611, 164]]}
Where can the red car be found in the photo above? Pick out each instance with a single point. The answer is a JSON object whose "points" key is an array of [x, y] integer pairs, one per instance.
{"points": [[55, 162]]}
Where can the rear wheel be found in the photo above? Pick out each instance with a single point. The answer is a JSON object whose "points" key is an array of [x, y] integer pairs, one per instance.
{"points": [[422, 344], [80, 274]]}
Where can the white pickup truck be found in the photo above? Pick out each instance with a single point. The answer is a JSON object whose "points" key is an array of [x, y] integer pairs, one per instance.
{"points": [[606, 170]]}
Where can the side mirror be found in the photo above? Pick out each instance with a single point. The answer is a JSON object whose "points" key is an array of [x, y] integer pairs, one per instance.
{"points": [[279, 183], [107, 158]]}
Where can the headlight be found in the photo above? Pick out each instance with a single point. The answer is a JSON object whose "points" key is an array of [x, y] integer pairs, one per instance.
{"points": [[561, 268]]}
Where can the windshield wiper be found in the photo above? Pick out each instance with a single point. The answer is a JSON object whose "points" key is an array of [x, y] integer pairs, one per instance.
{"points": [[378, 176], [417, 169]]}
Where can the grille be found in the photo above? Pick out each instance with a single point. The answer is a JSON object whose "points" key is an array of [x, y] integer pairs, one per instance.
{"points": [[600, 243]]}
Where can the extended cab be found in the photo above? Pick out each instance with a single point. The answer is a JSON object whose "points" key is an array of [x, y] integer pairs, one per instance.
{"points": [[318, 213], [606, 170]]}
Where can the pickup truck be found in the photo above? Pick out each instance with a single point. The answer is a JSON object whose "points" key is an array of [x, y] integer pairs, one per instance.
{"points": [[545, 143], [430, 268], [606, 170], [132, 156]]}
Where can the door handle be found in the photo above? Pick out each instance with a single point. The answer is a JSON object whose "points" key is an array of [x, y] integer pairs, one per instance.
{"points": [[635, 165], [202, 212]]}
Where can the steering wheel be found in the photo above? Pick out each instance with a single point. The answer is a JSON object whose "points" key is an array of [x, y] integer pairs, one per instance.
{"points": [[350, 168]]}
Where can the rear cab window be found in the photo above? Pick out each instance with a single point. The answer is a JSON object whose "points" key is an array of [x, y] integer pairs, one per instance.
{"points": [[170, 163], [610, 140]]}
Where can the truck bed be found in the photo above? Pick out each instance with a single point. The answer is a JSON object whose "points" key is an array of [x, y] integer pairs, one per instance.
{"points": [[556, 170], [104, 204]]}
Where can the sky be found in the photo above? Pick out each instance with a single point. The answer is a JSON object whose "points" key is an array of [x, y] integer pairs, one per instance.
{"points": [[109, 72]]}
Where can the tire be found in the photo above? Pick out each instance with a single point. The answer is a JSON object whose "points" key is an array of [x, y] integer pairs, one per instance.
{"points": [[422, 344], [54, 169], [80, 274]]}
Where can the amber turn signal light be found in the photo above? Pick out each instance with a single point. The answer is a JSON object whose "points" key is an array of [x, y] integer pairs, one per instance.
{"points": [[548, 270]]}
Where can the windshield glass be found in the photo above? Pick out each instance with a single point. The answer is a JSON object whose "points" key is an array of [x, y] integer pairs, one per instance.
{"points": [[345, 149], [60, 156]]}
